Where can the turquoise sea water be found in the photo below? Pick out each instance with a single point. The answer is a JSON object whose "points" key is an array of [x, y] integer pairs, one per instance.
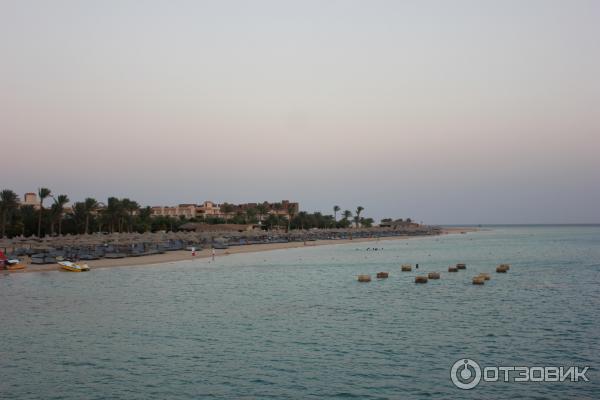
{"points": [[296, 324]]}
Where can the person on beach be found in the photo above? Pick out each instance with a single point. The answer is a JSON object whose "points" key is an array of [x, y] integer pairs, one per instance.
{"points": [[213, 254], [193, 252]]}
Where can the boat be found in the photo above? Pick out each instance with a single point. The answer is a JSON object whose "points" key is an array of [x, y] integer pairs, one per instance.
{"points": [[13, 265], [72, 267], [10, 264]]}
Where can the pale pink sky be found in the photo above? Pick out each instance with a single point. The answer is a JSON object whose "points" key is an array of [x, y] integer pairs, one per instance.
{"points": [[449, 112]]}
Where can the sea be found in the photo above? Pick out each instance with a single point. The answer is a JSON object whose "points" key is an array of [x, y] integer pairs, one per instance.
{"points": [[296, 323]]}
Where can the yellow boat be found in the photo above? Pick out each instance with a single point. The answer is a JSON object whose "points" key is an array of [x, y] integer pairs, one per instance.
{"points": [[13, 265], [72, 267]]}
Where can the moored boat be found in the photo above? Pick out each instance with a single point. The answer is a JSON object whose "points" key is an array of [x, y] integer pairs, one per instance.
{"points": [[72, 267], [10, 264], [13, 265]]}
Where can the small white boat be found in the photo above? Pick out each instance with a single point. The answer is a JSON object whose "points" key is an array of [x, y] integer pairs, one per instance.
{"points": [[71, 266]]}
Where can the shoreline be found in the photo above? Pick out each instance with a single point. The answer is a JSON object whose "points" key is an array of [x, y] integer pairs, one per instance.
{"points": [[185, 255]]}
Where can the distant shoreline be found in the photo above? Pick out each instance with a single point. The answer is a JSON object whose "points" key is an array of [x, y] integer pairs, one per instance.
{"points": [[184, 255]]}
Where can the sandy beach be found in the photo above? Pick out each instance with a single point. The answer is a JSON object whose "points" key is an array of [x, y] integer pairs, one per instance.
{"points": [[184, 255]]}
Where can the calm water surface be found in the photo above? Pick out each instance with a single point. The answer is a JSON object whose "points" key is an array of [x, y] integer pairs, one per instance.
{"points": [[296, 324]]}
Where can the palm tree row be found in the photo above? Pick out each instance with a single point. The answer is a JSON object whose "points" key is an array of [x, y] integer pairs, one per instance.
{"points": [[117, 215], [126, 215], [347, 216], [9, 202]]}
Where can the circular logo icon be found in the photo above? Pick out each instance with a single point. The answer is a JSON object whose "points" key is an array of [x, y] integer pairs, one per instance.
{"points": [[465, 374]]}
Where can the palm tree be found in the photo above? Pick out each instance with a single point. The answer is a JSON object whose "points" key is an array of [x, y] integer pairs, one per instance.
{"points": [[134, 208], [335, 211], [251, 215], [261, 210], [359, 209], [113, 212], [58, 209], [53, 216], [366, 222], [291, 210], [129, 207], [145, 218], [90, 207], [79, 215], [43, 193], [347, 214], [227, 209], [9, 201], [302, 218]]}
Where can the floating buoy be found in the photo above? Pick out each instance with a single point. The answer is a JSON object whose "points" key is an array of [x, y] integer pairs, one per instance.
{"points": [[461, 266], [382, 275], [478, 280], [364, 278], [420, 279], [433, 275], [452, 269], [407, 268], [503, 268], [485, 276]]}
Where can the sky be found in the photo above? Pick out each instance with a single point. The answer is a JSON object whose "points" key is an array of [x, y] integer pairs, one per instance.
{"points": [[449, 112]]}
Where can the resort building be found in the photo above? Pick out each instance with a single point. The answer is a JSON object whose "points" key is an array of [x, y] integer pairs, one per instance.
{"points": [[30, 199], [211, 209], [182, 210]]}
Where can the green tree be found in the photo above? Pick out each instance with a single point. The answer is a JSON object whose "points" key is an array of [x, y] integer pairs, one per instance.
{"points": [[291, 210], [90, 207], [227, 209], [367, 222], [359, 209], [43, 193], [272, 221], [27, 217], [79, 216], [251, 215], [114, 213], [336, 209], [303, 219], [238, 218], [9, 202], [129, 208], [58, 210], [328, 222], [262, 210], [145, 219], [347, 214]]}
